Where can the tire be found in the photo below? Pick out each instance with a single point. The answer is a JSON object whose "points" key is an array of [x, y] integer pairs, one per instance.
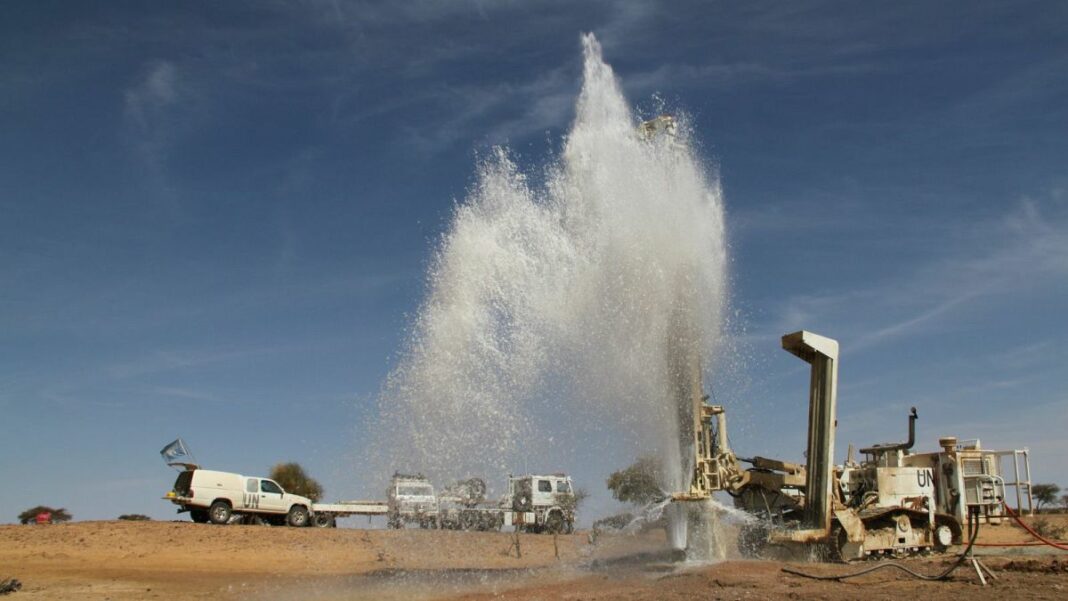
{"points": [[199, 516], [324, 520], [955, 532], [219, 512], [554, 524], [298, 516]]}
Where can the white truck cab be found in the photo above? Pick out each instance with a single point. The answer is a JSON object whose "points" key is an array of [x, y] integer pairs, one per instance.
{"points": [[214, 496], [540, 503], [411, 498]]}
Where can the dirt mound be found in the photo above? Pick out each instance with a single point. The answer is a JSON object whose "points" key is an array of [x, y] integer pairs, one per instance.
{"points": [[1051, 566]]}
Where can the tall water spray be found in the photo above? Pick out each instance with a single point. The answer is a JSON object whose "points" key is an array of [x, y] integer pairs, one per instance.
{"points": [[575, 313]]}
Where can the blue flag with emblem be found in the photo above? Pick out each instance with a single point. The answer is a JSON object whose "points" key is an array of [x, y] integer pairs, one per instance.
{"points": [[175, 451]]}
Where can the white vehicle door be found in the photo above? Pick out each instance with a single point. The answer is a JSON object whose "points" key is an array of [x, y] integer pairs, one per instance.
{"points": [[543, 493], [271, 497], [250, 499]]}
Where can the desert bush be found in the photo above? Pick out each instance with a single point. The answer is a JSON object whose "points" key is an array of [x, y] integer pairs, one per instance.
{"points": [[1049, 530], [58, 515], [614, 522], [293, 479], [638, 484], [135, 517]]}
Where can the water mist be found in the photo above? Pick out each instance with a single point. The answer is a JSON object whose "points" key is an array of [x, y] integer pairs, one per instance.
{"points": [[576, 310]]}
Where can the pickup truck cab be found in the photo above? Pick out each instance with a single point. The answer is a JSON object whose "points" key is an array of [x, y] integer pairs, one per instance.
{"points": [[211, 496]]}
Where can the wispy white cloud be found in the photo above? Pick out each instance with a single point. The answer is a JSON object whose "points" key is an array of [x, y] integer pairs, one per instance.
{"points": [[1034, 92], [165, 360], [151, 108], [722, 76], [153, 94], [188, 394], [1025, 248], [82, 388], [488, 113], [1027, 355]]}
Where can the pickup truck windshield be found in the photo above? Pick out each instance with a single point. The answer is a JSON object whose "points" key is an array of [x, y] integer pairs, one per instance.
{"points": [[415, 491]]}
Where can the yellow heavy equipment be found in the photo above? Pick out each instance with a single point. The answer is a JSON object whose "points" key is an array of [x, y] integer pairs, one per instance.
{"points": [[894, 502]]}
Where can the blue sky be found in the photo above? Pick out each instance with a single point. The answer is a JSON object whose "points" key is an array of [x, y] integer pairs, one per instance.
{"points": [[215, 217]]}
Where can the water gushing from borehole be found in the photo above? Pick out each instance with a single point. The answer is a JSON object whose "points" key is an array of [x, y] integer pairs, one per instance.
{"points": [[564, 316]]}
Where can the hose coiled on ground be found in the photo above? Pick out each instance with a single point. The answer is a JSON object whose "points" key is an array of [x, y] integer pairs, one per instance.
{"points": [[973, 518]]}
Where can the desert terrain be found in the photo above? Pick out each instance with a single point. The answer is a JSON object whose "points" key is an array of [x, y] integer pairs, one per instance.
{"points": [[119, 561]]}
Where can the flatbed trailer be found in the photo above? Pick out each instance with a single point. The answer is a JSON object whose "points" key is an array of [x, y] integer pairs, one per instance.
{"points": [[324, 515]]}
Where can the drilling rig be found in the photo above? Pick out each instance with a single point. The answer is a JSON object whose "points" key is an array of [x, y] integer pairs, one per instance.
{"points": [[894, 502]]}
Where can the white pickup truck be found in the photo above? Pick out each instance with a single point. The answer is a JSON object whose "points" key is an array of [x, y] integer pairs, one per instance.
{"points": [[211, 496]]}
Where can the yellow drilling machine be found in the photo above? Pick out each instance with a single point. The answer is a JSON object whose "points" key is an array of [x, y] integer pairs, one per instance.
{"points": [[893, 502]]}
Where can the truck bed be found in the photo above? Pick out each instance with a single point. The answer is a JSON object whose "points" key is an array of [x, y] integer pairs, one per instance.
{"points": [[352, 508]]}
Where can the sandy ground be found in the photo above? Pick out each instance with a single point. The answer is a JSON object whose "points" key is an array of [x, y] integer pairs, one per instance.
{"points": [[181, 560]]}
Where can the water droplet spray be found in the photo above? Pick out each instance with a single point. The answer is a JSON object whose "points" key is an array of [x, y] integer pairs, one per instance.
{"points": [[560, 308]]}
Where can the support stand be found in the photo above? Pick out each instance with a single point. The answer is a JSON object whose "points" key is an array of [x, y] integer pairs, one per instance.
{"points": [[979, 566]]}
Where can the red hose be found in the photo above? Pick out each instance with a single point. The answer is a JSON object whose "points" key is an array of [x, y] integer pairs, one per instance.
{"points": [[1012, 514], [1030, 544]]}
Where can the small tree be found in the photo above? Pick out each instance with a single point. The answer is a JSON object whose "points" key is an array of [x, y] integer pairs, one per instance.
{"points": [[571, 501], [292, 478], [1045, 494], [638, 484], [58, 515], [1064, 501], [135, 517]]}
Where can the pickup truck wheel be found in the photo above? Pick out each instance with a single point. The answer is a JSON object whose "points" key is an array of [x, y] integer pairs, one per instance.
{"points": [[219, 513], [324, 520], [199, 516], [298, 516]]}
